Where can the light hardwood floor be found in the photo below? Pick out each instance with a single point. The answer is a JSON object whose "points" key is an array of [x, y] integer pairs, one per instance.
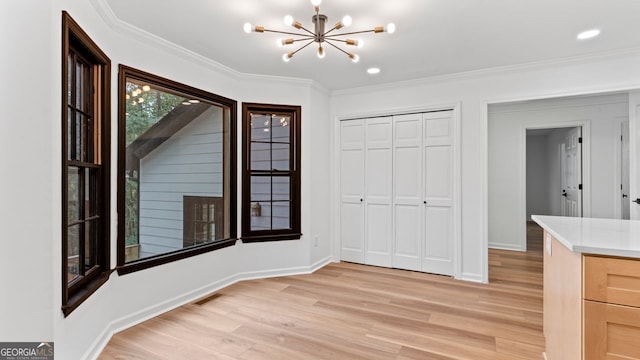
{"points": [[350, 311]]}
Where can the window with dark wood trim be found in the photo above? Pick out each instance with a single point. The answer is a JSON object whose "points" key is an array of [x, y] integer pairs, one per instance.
{"points": [[86, 74], [203, 219], [176, 171], [271, 172]]}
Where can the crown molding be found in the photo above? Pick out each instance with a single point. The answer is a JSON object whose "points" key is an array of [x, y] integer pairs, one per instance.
{"points": [[475, 74], [123, 27]]}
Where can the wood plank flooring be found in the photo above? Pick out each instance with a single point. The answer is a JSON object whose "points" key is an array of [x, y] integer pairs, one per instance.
{"points": [[350, 311]]}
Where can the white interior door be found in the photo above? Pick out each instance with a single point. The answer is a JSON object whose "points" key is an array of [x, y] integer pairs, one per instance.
{"points": [[378, 191], [407, 193], [624, 186], [572, 173], [352, 155], [437, 252]]}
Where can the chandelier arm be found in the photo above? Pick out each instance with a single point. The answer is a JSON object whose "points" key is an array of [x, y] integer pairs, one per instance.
{"points": [[307, 30], [327, 32], [283, 32], [350, 33], [335, 46], [302, 47], [304, 38]]}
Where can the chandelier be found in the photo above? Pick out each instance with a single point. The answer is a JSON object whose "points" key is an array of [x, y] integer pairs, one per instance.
{"points": [[320, 35]]}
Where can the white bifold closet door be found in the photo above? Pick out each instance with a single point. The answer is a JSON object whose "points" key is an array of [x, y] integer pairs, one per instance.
{"points": [[437, 159], [397, 193], [352, 190], [407, 198], [378, 191]]}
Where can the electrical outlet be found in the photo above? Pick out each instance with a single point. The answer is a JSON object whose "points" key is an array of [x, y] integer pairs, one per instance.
{"points": [[547, 242], [315, 241]]}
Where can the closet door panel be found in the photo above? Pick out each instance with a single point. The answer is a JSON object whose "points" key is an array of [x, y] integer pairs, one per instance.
{"points": [[378, 190], [438, 193], [438, 248], [438, 182], [352, 156], [407, 191]]}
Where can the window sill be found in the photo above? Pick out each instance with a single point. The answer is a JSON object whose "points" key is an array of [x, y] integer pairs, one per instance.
{"points": [[271, 237], [150, 262], [83, 293]]}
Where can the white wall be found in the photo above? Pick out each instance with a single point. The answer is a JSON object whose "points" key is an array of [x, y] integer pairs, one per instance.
{"points": [[30, 256], [538, 197], [475, 90], [28, 183], [507, 124]]}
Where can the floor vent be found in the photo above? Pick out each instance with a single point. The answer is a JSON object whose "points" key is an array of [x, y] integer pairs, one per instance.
{"points": [[207, 299]]}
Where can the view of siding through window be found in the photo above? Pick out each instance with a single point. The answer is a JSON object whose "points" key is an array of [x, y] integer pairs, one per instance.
{"points": [[270, 171], [174, 171]]}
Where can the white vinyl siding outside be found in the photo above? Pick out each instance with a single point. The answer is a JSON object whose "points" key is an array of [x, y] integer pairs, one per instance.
{"points": [[190, 163]]}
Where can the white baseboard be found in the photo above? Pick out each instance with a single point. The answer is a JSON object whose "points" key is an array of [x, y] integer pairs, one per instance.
{"points": [[510, 247], [158, 309], [472, 277]]}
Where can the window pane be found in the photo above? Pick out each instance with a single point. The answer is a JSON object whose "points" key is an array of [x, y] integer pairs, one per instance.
{"points": [[70, 135], [260, 127], [281, 129], [91, 188], [179, 147], [261, 220], [73, 194], [260, 188], [78, 89], [73, 252], [70, 79], [90, 244], [281, 188], [281, 217], [260, 156], [280, 156], [131, 212], [78, 137]]}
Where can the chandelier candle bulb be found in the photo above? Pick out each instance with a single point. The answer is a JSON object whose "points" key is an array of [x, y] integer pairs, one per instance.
{"points": [[347, 20], [288, 20], [321, 52], [316, 2]]}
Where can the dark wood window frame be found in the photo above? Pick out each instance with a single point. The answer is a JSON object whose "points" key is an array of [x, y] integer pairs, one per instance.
{"points": [[124, 73], [79, 46], [293, 173]]}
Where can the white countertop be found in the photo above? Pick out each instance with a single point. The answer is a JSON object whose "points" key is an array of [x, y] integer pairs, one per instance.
{"points": [[594, 236]]}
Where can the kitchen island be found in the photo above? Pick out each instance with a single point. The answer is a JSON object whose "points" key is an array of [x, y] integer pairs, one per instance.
{"points": [[591, 288]]}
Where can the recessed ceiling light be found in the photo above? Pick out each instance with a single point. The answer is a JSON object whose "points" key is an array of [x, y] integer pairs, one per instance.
{"points": [[588, 34], [373, 70]]}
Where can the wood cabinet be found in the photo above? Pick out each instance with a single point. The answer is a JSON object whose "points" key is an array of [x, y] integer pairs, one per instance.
{"points": [[591, 305], [562, 301], [611, 308]]}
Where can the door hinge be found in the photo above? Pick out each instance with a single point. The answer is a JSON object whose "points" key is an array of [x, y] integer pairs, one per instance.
{"points": [[580, 140], [579, 186]]}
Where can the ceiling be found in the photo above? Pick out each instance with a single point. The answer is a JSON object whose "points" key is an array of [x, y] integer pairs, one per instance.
{"points": [[433, 37]]}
